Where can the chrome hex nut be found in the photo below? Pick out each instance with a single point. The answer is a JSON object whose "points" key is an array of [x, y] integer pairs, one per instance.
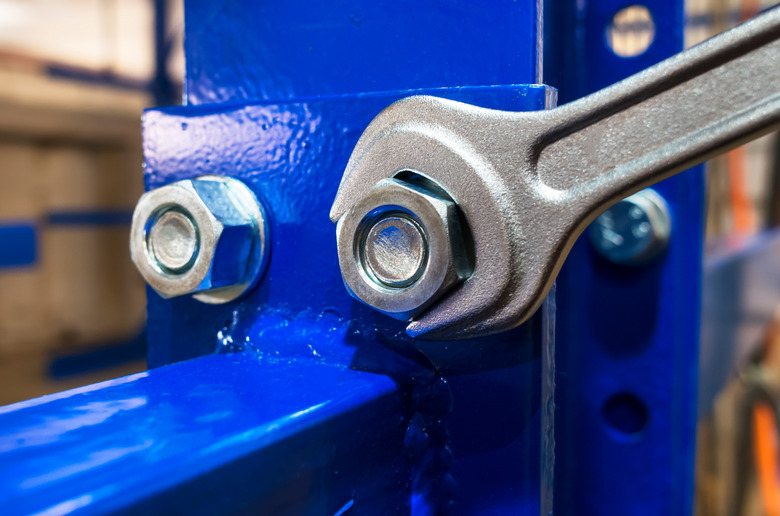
{"points": [[401, 248], [207, 237]]}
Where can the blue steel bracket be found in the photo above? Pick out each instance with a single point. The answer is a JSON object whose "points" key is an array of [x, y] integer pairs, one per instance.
{"points": [[291, 155]]}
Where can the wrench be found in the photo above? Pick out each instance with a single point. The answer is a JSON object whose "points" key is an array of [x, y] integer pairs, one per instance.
{"points": [[528, 183]]}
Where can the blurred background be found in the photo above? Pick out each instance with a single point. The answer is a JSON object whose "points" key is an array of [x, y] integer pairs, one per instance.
{"points": [[75, 76]]}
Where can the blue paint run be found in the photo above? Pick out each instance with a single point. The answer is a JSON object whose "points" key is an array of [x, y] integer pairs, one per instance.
{"points": [[90, 218], [343, 510], [18, 245], [223, 434], [627, 338], [247, 51]]}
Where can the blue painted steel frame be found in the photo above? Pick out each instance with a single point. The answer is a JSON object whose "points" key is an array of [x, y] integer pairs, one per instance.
{"points": [[277, 95], [466, 444], [292, 155], [298, 398]]}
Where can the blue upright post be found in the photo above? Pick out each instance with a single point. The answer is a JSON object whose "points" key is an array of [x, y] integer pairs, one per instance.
{"points": [[627, 337]]}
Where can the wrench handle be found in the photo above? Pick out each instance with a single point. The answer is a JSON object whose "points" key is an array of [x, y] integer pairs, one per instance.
{"points": [[686, 109]]}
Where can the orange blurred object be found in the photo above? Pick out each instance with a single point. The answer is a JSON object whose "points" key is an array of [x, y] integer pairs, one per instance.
{"points": [[765, 451], [744, 216]]}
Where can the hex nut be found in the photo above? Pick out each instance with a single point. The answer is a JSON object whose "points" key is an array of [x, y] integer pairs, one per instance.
{"points": [[231, 232], [446, 261]]}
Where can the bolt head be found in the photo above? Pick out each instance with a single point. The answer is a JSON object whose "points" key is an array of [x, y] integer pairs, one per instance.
{"points": [[173, 241], [634, 231], [401, 248], [395, 250], [205, 237]]}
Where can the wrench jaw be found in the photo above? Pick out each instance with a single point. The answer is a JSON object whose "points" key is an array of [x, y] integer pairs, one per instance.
{"points": [[538, 253], [439, 139]]}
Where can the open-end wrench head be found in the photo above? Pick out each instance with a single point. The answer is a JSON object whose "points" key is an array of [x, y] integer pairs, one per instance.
{"points": [[528, 184], [515, 231]]}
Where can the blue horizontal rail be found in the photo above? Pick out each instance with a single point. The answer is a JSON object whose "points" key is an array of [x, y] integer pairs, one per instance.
{"points": [[220, 434]]}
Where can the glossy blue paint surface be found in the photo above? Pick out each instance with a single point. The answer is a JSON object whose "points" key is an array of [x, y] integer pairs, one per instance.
{"points": [[223, 434], [247, 50], [627, 338]]}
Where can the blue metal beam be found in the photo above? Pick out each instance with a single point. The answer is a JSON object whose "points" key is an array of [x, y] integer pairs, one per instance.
{"points": [[277, 95], [292, 155], [221, 434]]}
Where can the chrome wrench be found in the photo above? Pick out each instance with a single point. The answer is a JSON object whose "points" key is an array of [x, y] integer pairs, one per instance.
{"points": [[528, 183]]}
